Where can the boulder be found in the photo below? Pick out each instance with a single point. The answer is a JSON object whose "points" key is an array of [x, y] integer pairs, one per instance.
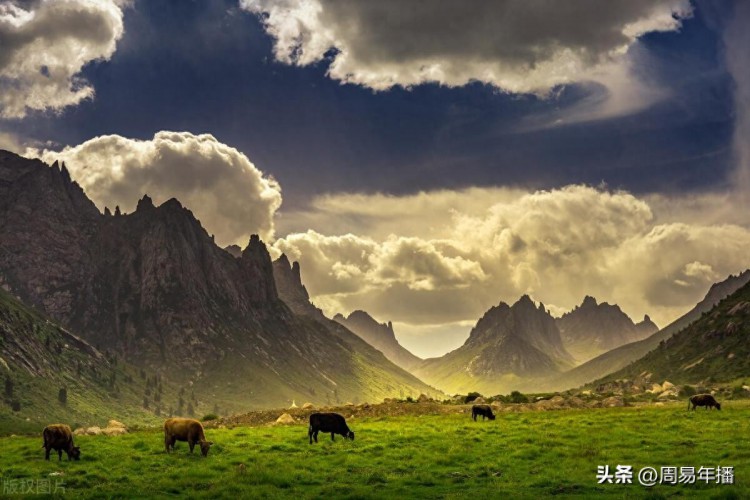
{"points": [[285, 419], [308, 406], [114, 431], [423, 398], [667, 385], [478, 401], [349, 403], [656, 389], [116, 424], [612, 402]]}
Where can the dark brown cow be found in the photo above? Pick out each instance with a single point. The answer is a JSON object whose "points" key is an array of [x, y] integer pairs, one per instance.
{"points": [[185, 429], [328, 422], [483, 410], [59, 437], [706, 400]]}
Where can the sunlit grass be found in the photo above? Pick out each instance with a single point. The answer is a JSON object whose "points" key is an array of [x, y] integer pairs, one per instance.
{"points": [[531, 455]]}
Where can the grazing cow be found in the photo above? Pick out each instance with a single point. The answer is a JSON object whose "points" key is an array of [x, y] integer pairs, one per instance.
{"points": [[185, 429], [706, 400], [59, 437], [328, 422], [483, 410]]}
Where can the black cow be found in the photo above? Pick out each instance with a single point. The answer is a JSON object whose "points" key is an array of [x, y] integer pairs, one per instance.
{"points": [[483, 410], [706, 400], [328, 422], [59, 437]]}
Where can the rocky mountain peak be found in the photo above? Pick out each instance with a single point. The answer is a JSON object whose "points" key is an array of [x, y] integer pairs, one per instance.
{"points": [[379, 335], [588, 302], [144, 203], [593, 328]]}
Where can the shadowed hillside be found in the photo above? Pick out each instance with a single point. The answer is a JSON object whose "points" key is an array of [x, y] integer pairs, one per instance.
{"points": [[153, 287]]}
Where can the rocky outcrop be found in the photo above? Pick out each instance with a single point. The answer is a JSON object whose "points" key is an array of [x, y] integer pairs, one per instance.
{"points": [[381, 336]]}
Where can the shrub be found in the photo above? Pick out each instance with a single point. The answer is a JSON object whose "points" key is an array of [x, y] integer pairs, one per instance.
{"points": [[686, 391], [210, 416], [517, 397], [471, 397]]}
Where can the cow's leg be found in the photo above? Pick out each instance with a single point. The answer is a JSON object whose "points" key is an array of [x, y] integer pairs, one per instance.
{"points": [[315, 435], [310, 434], [192, 445], [46, 453], [59, 455], [332, 437]]}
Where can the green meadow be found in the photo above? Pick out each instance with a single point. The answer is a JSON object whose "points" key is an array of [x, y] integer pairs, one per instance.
{"points": [[521, 455]]}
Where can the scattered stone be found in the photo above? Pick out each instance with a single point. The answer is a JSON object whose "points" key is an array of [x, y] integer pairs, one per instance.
{"points": [[308, 406]]}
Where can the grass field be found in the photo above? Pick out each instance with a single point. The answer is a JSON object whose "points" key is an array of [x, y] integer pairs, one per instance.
{"points": [[526, 455]]}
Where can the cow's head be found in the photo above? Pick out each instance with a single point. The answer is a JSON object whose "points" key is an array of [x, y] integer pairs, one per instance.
{"points": [[491, 417], [350, 435], [205, 446], [718, 406], [75, 453]]}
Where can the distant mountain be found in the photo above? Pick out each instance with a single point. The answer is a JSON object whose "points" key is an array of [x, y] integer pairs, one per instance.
{"points": [[153, 287], [508, 347], [592, 329], [714, 348], [381, 336], [620, 357], [38, 359]]}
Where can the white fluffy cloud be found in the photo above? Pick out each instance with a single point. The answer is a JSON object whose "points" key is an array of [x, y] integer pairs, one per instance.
{"points": [[44, 47], [230, 196], [477, 247], [518, 46]]}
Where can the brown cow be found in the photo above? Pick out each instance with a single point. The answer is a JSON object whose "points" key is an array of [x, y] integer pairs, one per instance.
{"points": [[185, 429], [59, 437], [706, 400]]}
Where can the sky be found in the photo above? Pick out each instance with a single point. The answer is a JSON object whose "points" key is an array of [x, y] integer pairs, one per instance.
{"points": [[423, 161]]}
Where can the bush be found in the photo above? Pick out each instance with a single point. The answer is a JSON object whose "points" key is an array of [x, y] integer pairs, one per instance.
{"points": [[687, 390], [210, 416], [517, 397], [471, 397]]}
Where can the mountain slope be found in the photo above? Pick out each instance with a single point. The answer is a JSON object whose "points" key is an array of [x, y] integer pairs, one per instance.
{"points": [[380, 336], [508, 348], [154, 287], [620, 357], [38, 358], [592, 329], [714, 347]]}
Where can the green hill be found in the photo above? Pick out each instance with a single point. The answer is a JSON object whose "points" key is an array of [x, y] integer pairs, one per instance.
{"points": [[712, 349], [38, 359]]}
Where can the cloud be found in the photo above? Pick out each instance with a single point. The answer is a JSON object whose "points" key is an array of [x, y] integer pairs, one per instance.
{"points": [[227, 193], [516, 46], [44, 47], [477, 247]]}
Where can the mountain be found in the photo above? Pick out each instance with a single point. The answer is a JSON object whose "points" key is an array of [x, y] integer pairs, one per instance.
{"points": [[381, 336], [714, 348], [39, 358], [620, 357], [288, 279], [509, 347], [592, 329], [154, 287]]}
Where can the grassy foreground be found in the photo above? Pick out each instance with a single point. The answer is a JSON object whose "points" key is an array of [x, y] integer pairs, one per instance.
{"points": [[527, 455]]}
